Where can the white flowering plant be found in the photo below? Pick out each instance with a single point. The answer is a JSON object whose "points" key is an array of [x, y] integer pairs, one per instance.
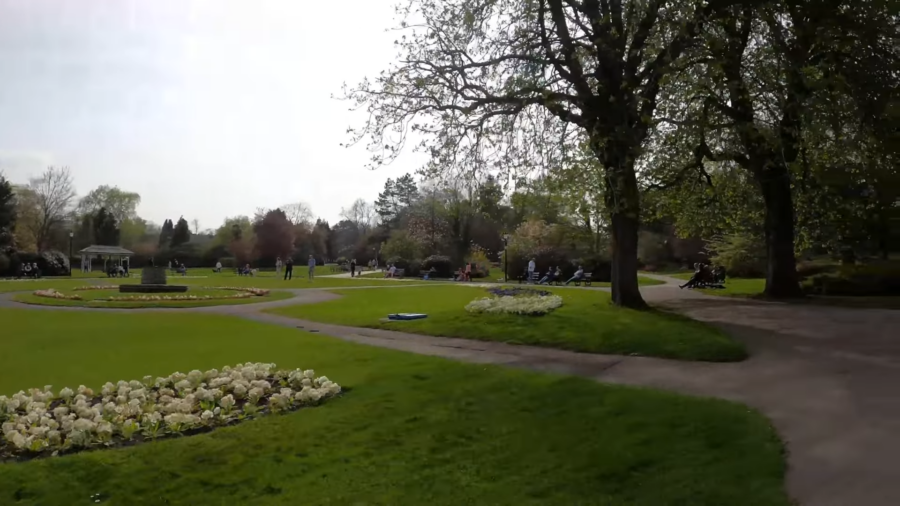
{"points": [[139, 298], [259, 292], [95, 287], [50, 293], [42, 422], [539, 303]]}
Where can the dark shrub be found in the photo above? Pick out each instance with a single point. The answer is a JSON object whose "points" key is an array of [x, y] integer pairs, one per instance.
{"points": [[413, 269], [516, 292], [600, 268], [808, 269], [856, 280], [398, 262], [5, 265], [228, 262], [51, 262], [442, 265]]}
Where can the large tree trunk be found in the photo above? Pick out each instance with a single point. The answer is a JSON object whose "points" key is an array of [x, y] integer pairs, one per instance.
{"points": [[623, 203], [625, 289], [781, 267]]}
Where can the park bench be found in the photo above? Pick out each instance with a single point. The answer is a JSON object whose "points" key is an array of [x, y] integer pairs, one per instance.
{"points": [[586, 279], [535, 277]]}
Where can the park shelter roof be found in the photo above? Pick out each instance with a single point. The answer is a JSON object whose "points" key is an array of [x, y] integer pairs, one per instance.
{"points": [[106, 250]]}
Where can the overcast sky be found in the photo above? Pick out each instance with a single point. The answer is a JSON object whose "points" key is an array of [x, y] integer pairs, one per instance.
{"points": [[206, 108]]}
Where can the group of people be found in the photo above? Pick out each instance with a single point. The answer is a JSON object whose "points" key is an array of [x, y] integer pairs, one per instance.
{"points": [[31, 270], [554, 274], [464, 273], [705, 275], [288, 267], [180, 268]]}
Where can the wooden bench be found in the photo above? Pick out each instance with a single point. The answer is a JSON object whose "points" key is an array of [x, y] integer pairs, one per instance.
{"points": [[535, 277], [586, 279]]}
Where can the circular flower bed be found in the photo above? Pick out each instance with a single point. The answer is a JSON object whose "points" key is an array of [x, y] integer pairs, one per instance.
{"points": [[521, 301], [244, 293], [515, 292], [50, 293], [41, 422]]}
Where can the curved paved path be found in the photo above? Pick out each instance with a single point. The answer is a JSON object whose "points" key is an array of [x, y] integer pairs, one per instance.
{"points": [[825, 376]]}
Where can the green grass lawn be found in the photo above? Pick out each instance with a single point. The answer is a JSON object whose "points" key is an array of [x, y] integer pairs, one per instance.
{"points": [[586, 322], [89, 299], [411, 430]]}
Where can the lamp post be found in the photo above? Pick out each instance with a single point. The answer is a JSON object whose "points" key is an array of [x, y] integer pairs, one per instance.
{"points": [[71, 236], [505, 257]]}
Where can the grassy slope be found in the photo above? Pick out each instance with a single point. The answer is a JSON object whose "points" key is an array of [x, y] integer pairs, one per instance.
{"points": [[585, 322], [88, 297], [413, 430]]}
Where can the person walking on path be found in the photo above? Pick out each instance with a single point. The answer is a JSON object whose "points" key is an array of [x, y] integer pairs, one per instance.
{"points": [[352, 267], [312, 268], [289, 269], [278, 265], [531, 268], [469, 271]]}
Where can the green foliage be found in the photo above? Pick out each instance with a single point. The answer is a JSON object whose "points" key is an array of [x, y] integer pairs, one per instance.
{"points": [[181, 233], [401, 245], [121, 204], [742, 255], [7, 214], [165, 234], [440, 263], [105, 227]]}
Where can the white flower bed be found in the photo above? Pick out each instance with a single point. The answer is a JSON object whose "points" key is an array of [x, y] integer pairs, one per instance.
{"points": [[43, 422], [259, 292], [515, 305], [53, 294], [141, 298]]}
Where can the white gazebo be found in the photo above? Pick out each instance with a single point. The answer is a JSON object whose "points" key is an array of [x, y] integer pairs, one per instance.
{"points": [[107, 253]]}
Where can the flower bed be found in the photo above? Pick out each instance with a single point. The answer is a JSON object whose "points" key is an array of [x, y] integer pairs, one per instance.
{"points": [[96, 287], [41, 422], [151, 298], [50, 293], [516, 292], [521, 305], [259, 292]]}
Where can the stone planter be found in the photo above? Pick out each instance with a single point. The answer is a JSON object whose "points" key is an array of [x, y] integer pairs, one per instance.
{"points": [[153, 276]]}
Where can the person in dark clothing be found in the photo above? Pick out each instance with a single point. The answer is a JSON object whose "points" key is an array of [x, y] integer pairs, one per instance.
{"points": [[701, 274], [352, 267], [289, 268]]}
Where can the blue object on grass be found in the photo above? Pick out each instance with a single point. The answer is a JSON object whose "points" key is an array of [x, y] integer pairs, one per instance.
{"points": [[407, 316]]}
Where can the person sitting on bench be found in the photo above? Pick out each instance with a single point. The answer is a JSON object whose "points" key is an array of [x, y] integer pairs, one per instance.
{"points": [[391, 271], [579, 275], [549, 277], [429, 273], [701, 274], [719, 274]]}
